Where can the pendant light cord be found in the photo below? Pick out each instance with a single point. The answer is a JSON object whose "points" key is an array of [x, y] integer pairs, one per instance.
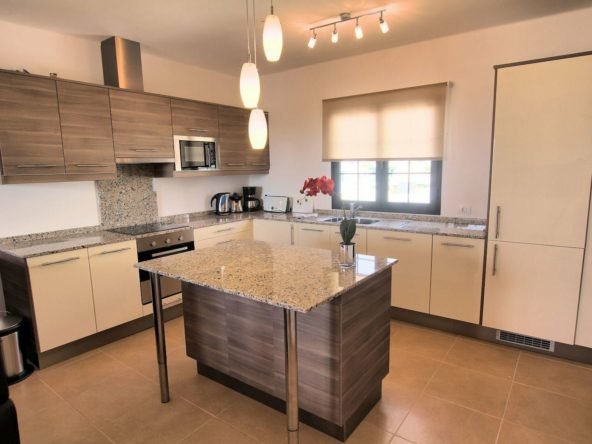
{"points": [[248, 33], [254, 34]]}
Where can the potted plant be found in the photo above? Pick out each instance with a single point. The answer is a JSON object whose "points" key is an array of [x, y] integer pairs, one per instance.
{"points": [[347, 250]]}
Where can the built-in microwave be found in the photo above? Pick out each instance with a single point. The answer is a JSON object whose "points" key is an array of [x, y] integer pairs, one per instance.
{"points": [[196, 153]]}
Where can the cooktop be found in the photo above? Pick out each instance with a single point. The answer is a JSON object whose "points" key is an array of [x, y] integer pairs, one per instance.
{"points": [[135, 230]]}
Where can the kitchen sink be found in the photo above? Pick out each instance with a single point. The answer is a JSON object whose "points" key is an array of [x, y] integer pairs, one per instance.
{"points": [[359, 220]]}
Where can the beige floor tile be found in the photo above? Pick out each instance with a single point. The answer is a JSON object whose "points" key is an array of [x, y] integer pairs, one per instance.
{"points": [[367, 433], [433, 421], [399, 440], [421, 341], [217, 431], [557, 376], [410, 370], [469, 388], [397, 400], [31, 396], [495, 360], [59, 423], [550, 413], [516, 434]]}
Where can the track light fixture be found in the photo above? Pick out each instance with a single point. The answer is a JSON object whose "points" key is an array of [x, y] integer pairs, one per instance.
{"points": [[345, 17]]}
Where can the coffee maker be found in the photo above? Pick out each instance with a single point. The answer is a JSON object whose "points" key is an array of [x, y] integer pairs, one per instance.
{"points": [[250, 200]]}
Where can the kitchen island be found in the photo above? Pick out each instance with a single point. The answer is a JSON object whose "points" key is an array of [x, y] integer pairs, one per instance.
{"points": [[284, 323]]}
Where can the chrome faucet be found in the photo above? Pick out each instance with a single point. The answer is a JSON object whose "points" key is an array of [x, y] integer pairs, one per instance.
{"points": [[353, 207]]}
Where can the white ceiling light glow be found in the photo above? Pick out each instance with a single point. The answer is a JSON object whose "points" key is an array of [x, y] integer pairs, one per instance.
{"points": [[250, 87], [257, 129], [273, 39], [346, 17]]}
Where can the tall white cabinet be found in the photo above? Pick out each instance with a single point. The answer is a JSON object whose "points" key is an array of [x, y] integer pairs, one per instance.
{"points": [[540, 194]]}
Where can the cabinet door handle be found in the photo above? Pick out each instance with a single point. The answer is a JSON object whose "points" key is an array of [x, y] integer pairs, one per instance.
{"points": [[169, 252], [259, 164], [144, 150], [312, 229], [198, 130], [225, 242], [494, 265], [498, 213], [234, 164], [402, 239], [36, 165], [452, 244], [222, 230], [63, 261], [92, 165], [119, 250]]}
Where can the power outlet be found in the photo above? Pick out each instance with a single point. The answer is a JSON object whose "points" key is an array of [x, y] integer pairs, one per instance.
{"points": [[465, 210]]}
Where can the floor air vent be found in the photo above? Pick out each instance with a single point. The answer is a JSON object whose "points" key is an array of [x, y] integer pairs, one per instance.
{"points": [[525, 341]]}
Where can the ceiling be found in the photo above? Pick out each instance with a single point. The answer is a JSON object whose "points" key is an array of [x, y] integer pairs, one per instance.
{"points": [[212, 34]]}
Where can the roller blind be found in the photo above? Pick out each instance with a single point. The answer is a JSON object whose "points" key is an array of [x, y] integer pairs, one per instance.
{"points": [[399, 124]]}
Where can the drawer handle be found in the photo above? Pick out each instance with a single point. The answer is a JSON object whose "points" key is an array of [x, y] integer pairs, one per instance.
{"points": [[144, 150], [494, 267], [36, 165], [402, 239], [63, 261], [119, 250], [259, 164], [198, 130], [222, 230], [452, 244], [498, 213], [92, 165], [312, 229], [173, 302], [225, 242], [234, 164]]}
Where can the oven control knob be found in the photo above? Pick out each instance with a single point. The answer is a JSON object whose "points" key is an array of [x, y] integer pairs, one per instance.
{"points": [[181, 238], [153, 244], [167, 241]]}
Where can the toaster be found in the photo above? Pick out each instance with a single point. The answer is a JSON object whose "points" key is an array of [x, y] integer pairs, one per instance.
{"points": [[276, 204]]}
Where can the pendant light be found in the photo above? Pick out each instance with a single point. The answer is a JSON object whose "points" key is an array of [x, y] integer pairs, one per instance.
{"points": [[273, 39], [384, 27], [257, 129], [250, 87], [334, 35], [358, 30]]}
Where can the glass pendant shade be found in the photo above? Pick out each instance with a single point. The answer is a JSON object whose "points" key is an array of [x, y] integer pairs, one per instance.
{"points": [[358, 31], [250, 87], [257, 129], [273, 40], [384, 27]]}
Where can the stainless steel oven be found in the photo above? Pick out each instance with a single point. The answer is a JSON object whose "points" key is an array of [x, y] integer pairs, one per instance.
{"points": [[196, 153]]}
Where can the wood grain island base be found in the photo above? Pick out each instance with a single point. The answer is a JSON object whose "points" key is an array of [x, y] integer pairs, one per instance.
{"points": [[343, 350], [284, 323]]}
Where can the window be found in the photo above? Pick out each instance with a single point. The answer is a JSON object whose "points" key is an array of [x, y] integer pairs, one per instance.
{"points": [[403, 186]]}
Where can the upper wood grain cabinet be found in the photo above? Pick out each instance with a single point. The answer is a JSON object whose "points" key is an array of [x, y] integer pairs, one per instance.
{"points": [[85, 119], [194, 118], [142, 125], [234, 137], [30, 137]]}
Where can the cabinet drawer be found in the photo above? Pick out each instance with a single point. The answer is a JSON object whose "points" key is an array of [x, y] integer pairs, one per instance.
{"points": [[457, 276], [411, 276], [221, 230], [312, 236], [359, 239], [274, 232]]}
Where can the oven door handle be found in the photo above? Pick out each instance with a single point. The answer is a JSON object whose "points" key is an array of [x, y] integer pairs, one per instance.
{"points": [[169, 252]]}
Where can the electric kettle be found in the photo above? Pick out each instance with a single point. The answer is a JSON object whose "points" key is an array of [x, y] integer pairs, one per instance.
{"points": [[222, 205]]}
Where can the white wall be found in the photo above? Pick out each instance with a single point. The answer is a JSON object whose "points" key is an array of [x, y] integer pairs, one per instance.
{"points": [[45, 207], [294, 99]]}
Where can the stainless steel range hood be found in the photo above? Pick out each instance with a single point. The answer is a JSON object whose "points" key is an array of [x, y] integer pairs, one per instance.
{"points": [[122, 63]]}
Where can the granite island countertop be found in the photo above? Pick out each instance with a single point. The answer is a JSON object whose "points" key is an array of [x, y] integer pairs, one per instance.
{"points": [[40, 244], [297, 278]]}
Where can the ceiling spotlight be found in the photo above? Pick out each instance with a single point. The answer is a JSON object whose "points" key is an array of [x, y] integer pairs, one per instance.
{"points": [[334, 35], [313, 40], [358, 30], [383, 25]]}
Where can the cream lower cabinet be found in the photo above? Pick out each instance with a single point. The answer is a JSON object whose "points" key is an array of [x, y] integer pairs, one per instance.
{"points": [[62, 295], [115, 284], [360, 239], [272, 231], [411, 276], [457, 277], [532, 289], [218, 234], [584, 326], [313, 236]]}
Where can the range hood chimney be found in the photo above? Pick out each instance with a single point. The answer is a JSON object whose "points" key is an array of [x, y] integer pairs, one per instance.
{"points": [[122, 63]]}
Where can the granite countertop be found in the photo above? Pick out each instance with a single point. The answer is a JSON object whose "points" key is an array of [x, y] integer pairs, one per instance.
{"points": [[40, 244], [296, 278]]}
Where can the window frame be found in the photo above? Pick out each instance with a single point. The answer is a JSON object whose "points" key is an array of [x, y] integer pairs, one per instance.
{"points": [[382, 204]]}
